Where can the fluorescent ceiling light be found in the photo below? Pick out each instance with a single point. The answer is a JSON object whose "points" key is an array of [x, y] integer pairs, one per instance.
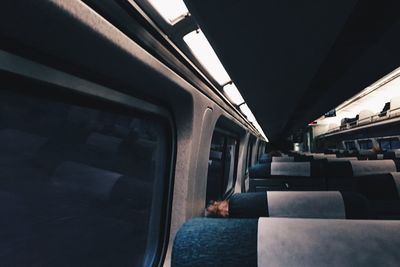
{"points": [[260, 130], [247, 112], [204, 53], [171, 11], [233, 94]]}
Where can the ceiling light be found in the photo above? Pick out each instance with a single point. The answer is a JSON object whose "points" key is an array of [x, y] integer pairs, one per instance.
{"points": [[171, 11], [260, 130], [247, 112], [204, 53], [233, 94]]}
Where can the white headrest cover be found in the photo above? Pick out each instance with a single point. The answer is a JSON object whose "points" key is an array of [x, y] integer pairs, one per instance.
{"points": [[323, 156], [282, 159], [291, 168], [313, 204], [369, 167], [321, 242]]}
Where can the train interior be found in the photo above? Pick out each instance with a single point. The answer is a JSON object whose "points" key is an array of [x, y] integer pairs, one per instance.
{"points": [[199, 133]]}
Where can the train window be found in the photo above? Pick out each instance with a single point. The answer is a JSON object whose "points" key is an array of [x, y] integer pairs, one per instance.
{"points": [[82, 181], [350, 145], [222, 165], [389, 143], [365, 144], [259, 150], [248, 157]]}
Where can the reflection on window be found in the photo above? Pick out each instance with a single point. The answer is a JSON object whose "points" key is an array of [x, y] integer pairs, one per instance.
{"points": [[79, 186], [365, 144], [350, 145], [248, 157], [222, 166], [389, 143]]}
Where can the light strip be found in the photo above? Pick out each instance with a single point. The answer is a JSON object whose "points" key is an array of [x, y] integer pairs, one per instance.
{"points": [[171, 11], [260, 130], [247, 112], [205, 54], [233, 94]]}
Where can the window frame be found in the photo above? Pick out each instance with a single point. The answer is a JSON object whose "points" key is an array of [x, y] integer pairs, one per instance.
{"points": [[71, 85]]}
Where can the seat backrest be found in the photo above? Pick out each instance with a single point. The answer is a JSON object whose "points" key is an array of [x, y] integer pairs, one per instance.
{"points": [[380, 186], [286, 242], [260, 170], [216, 242]]}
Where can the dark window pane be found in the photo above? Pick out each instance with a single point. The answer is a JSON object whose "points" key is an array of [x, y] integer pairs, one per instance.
{"points": [[248, 158], [78, 186], [230, 168], [222, 166], [384, 144], [215, 167], [395, 144], [365, 144], [350, 145]]}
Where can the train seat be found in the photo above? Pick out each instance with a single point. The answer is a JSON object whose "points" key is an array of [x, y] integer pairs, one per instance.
{"points": [[286, 242]]}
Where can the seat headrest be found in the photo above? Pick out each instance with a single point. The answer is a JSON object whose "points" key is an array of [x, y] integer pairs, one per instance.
{"points": [[282, 159], [311, 204], [370, 167], [291, 168]]}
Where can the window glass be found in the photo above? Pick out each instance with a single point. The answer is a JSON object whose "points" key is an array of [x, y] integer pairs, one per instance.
{"points": [[79, 186], [222, 166], [384, 144], [248, 157], [395, 143], [365, 144], [230, 167], [260, 150], [350, 145], [389, 143]]}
